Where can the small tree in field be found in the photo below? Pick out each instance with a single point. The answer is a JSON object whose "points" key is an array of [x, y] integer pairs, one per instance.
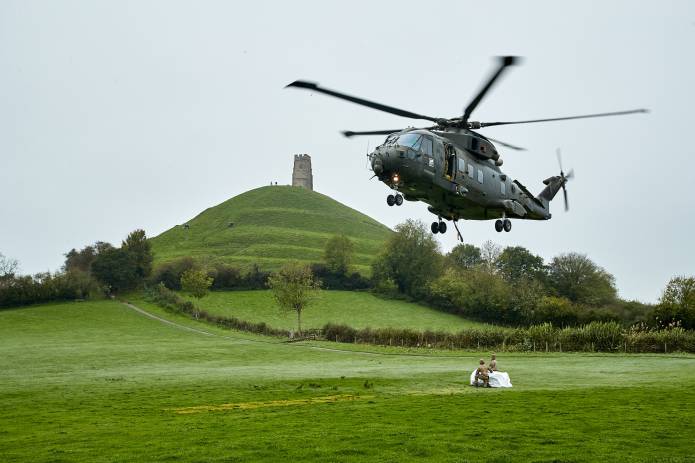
{"points": [[196, 283], [338, 254], [294, 288]]}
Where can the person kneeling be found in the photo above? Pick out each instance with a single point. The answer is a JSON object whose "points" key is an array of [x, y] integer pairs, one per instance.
{"points": [[482, 374]]}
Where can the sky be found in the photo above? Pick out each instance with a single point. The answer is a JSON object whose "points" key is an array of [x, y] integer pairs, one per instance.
{"points": [[123, 115]]}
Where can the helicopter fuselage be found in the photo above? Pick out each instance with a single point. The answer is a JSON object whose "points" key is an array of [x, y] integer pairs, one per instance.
{"points": [[457, 173]]}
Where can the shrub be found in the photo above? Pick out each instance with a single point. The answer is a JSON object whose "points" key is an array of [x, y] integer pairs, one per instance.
{"points": [[170, 273], [594, 337], [337, 280], [46, 287]]}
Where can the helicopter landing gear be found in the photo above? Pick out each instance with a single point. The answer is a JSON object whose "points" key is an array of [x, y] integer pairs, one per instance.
{"points": [[396, 200], [438, 227], [505, 225]]}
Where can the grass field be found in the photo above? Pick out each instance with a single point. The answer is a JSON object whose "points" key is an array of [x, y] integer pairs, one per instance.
{"points": [[271, 225], [98, 382], [355, 309]]}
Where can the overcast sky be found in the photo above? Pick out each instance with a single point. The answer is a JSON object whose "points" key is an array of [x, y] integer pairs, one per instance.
{"points": [[122, 115]]}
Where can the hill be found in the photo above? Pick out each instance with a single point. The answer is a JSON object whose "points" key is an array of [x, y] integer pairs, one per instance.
{"points": [[269, 226], [355, 309]]}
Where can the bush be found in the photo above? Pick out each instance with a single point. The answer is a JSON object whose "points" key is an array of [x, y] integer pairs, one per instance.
{"points": [[47, 287], [337, 280], [594, 337], [225, 277], [170, 273]]}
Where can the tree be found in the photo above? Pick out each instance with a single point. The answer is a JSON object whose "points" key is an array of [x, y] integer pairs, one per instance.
{"points": [[410, 258], [196, 283], [465, 256], [8, 267], [338, 254], [294, 288], [117, 269], [677, 303], [577, 278], [475, 293], [490, 252], [137, 245], [516, 262], [82, 260]]}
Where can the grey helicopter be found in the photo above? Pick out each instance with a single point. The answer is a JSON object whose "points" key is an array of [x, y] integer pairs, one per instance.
{"points": [[455, 169]]}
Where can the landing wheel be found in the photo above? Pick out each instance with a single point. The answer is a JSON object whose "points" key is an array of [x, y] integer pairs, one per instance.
{"points": [[435, 227], [399, 200], [499, 225], [442, 227], [390, 200], [507, 225]]}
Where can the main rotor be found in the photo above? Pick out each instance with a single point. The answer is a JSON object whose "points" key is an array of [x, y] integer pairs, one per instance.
{"points": [[459, 122]]}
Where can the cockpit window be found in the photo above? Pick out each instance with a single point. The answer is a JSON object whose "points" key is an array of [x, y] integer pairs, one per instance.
{"points": [[411, 140], [427, 146], [390, 140]]}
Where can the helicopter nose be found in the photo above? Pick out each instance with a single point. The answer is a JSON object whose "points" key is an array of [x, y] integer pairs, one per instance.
{"points": [[377, 163]]}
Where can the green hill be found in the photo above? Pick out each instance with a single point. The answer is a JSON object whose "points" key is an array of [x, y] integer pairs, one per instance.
{"points": [[269, 226]]}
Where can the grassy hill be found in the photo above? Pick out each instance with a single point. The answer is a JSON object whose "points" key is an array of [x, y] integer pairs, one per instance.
{"points": [[100, 382], [355, 309], [270, 225]]}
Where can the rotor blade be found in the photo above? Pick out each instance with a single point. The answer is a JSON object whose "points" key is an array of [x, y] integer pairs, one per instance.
{"points": [[506, 145], [569, 174], [559, 158], [349, 133], [617, 113], [504, 62], [567, 205], [370, 104]]}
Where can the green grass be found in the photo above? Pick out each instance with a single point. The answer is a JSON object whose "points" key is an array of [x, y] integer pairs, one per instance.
{"points": [[355, 309], [98, 382], [272, 224]]}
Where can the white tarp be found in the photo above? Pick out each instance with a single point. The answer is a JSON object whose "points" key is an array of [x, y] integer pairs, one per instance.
{"points": [[497, 379]]}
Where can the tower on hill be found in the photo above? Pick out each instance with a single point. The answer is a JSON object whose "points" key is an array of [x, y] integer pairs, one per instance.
{"points": [[301, 174]]}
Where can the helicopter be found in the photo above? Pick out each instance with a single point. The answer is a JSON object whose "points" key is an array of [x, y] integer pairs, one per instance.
{"points": [[455, 169]]}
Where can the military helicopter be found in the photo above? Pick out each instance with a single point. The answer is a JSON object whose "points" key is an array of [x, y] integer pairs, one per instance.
{"points": [[454, 169]]}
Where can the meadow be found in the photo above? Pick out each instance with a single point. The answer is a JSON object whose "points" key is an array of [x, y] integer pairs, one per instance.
{"points": [[355, 309], [100, 381]]}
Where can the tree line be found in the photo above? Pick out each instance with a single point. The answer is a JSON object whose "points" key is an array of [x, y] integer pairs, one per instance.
{"points": [[509, 285], [516, 287], [94, 271]]}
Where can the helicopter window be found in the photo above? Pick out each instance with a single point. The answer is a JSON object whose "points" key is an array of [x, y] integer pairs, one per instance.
{"points": [[390, 140], [426, 146], [471, 170], [480, 175], [411, 140], [503, 188]]}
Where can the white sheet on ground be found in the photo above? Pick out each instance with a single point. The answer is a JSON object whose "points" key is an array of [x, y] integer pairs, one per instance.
{"points": [[497, 379]]}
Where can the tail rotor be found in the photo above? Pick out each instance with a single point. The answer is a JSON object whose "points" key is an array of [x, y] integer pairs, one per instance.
{"points": [[564, 178]]}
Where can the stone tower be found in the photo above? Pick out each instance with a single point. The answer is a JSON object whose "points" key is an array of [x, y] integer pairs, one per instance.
{"points": [[301, 174]]}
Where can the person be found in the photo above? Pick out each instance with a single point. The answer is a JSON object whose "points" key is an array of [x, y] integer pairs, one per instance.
{"points": [[493, 363], [482, 373]]}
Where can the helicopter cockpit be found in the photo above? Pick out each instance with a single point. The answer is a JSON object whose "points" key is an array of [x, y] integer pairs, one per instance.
{"points": [[418, 143]]}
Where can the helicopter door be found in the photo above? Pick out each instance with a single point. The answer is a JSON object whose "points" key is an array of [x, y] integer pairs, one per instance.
{"points": [[449, 162]]}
